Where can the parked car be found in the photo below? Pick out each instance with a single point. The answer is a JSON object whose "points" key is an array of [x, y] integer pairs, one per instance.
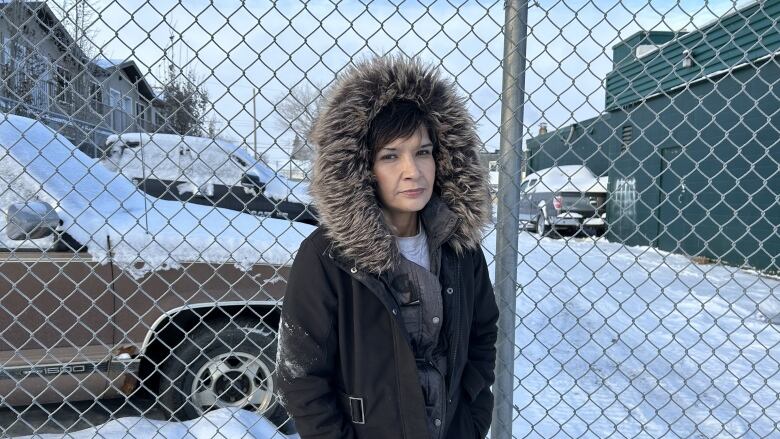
{"points": [[209, 172], [104, 289], [560, 198]]}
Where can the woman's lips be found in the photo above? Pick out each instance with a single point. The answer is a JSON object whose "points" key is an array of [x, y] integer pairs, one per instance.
{"points": [[413, 193]]}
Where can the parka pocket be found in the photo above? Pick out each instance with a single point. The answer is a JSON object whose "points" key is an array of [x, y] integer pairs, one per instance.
{"points": [[463, 425], [472, 382]]}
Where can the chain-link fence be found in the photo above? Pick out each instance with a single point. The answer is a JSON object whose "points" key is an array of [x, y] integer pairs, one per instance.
{"points": [[155, 160]]}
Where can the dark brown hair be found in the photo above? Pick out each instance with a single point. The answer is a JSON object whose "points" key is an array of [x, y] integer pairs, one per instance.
{"points": [[397, 120]]}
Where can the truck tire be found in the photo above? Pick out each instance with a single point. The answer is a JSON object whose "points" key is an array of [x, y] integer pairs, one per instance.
{"points": [[227, 363], [541, 227], [591, 231]]}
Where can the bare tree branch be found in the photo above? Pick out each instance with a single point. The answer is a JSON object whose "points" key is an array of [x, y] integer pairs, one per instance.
{"points": [[296, 112]]}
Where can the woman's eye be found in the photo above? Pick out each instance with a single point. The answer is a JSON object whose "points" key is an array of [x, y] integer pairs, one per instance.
{"points": [[388, 157], [424, 152]]}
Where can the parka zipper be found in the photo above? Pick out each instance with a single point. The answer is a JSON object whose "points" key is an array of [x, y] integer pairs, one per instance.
{"points": [[451, 366]]}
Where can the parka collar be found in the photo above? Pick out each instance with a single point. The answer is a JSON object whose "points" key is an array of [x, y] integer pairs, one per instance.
{"points": [[439, 221]]}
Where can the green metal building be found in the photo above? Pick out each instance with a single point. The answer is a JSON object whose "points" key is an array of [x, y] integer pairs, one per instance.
{"points": [[690, 140]]}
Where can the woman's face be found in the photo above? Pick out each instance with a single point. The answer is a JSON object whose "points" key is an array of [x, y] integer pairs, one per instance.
{"points": [[405, 172]]}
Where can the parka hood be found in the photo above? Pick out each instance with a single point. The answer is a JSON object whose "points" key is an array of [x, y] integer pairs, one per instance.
{"points": [[343, 185]]}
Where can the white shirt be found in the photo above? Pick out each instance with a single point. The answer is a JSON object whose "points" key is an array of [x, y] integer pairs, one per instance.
{"points": [[415, 248]]}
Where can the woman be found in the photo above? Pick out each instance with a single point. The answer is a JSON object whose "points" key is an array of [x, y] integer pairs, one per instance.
{"points": [[389, 319]]}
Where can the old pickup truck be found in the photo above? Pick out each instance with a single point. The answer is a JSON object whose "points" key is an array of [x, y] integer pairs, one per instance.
{"points": [[105, 290]]}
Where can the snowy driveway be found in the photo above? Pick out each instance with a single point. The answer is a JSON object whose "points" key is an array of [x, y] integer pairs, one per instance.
{"points": [[641, 343], [618, 341]]}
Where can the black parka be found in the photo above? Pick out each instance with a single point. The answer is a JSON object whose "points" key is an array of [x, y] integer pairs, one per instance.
{"points": [[345, 363], [342, 336]]}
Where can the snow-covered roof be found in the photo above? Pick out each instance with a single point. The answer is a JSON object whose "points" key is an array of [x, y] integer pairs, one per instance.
{"points": [[567, 178], [106, 63], [198, 161], [98, 205]]}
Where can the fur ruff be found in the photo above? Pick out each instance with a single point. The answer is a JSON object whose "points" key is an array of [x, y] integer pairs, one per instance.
{"points": [[343, 184]]}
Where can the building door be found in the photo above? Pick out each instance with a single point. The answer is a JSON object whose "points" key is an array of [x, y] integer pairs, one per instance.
{"points": [[674, 200]]}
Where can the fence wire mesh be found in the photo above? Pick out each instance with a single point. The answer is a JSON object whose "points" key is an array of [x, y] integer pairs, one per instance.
{"points": [[154, 175]]}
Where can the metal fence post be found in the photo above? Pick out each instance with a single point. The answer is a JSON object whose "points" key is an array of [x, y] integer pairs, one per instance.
{"points": [[512, 98]]}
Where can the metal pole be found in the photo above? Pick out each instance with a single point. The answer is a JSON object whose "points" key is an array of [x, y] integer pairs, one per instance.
{"points": [[254, 118], [512, 99]]}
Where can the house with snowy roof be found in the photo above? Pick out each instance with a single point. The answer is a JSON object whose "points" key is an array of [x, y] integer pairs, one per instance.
{"points": [[46, 76], [689, 139]]}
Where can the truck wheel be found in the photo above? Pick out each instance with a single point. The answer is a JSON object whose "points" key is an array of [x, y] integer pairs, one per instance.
{"points": [[541, 227], [228, 363], [590, 231]]}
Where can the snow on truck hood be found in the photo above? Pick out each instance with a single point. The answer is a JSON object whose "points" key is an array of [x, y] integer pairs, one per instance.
{"points": [[199, 161], [98, 206]]}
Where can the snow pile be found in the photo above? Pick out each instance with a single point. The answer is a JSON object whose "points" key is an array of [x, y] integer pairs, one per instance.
{"points": [[198, 162], [226, 423], [569, 178], [100, 208], [638, 342]]}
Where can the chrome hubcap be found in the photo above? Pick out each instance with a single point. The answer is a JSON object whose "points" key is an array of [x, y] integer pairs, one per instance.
{"points": [[233, 379]]}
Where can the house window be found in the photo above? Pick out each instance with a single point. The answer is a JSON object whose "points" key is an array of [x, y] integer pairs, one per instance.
{"points": [[63, 92], [5, 51], [139, 111], [96, 96], [127, 105], [115, 101]]}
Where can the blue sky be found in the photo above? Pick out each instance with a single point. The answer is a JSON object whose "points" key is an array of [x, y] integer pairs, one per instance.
{"points": [[235, 48]]}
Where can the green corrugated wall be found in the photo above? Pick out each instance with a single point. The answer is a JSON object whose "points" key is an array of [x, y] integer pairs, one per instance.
{"points": [[729, 132]]}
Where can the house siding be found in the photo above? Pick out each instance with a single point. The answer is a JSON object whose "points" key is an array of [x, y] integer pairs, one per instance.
{"points": [[66, 106]]}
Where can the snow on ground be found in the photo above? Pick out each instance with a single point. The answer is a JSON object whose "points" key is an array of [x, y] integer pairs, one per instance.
{"points": [[617, 341], [224, 423], [99, 206], [612, 340], [637, 342]]}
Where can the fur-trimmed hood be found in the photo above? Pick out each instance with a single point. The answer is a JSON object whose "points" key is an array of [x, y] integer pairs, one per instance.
{"points": [[343, 186]]}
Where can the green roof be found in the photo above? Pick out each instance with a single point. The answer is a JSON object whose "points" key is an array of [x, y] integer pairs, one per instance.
{"points": [[737, 38]]}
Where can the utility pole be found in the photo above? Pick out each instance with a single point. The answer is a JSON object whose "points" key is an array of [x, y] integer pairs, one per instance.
{"points": [[254, 121], [512, 101]]}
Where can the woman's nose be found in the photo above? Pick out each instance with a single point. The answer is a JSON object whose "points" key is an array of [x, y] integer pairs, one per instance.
{"points": [[410, 169]]}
